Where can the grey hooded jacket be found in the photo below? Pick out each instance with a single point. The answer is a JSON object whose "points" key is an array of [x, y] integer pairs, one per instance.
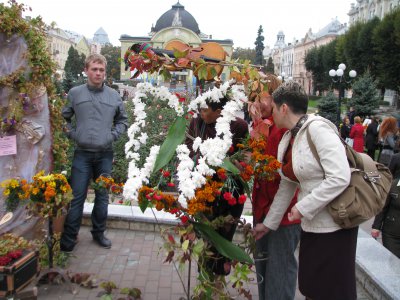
{"points": [[100, 117]]}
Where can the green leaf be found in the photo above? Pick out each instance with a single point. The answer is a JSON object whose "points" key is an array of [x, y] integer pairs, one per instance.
{"points": [[198, 247], [143, 204], [180, 54], [185, 245], [229, 166], [213, 72], [202, 72], [175, 137], [223, 246]]}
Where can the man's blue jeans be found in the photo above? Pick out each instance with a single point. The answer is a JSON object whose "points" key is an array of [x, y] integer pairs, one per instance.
{"points": [[85, 166], [276, 264]]}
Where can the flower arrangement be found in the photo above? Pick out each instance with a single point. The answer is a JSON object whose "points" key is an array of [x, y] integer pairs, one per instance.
{"points": [[49, 194], [107, 183], [15, 190], [199, 185], [260, 165], [11, 248]]}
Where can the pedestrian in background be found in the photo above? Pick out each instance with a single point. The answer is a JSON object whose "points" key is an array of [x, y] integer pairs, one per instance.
{"points": [[327, 252], [95, 118], [388, 220], [357, 134], [388, 139], [371, 137]]}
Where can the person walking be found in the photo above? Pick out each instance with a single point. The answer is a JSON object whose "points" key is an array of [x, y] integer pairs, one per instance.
{"points": [[99, 120], [357, 134], [388, 220], [327, 252], [387, 137], [275, 261], [371, 137]]}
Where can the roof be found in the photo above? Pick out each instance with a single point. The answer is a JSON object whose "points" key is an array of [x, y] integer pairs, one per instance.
{"points": [[177, 16]]}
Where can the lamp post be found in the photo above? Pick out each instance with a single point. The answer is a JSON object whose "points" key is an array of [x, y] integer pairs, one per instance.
{"points": [[339, 77], [283, 76]]}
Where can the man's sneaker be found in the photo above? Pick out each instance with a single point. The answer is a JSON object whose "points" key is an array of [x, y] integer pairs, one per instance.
{"points": [[102, 241]]}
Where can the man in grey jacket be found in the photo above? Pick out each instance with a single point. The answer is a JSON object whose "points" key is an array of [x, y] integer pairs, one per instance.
{"points": [[100, 119]]}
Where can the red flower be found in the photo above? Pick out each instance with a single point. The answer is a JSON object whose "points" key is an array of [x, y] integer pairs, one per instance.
{"points": [[166, 173], [120, 201], [231, 149], [242, 199], [232, 201], [184, 219], [157, 197], [243, 164], [15, 254], [171, 184], [221, 174], [227, 196], [5, 260], [191, 112], [174, 210]]}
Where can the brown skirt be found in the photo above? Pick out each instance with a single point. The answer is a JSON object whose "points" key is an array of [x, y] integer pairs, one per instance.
{"points": [[327, 265]]}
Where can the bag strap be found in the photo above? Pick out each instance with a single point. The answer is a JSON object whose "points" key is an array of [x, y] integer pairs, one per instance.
{"points": [[313, 148]]}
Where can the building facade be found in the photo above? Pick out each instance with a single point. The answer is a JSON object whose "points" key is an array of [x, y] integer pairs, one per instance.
{"points": [[366, 10], [176, 24], [289, 58]]}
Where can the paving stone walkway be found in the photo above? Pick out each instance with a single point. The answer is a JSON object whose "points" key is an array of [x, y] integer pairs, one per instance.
{"points": [[134, 260]]}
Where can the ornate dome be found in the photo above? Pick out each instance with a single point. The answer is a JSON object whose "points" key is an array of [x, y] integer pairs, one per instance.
{"points": [[177, 16]]}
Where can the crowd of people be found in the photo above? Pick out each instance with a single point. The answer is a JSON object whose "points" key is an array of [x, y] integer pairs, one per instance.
{"points": [[288, 211]]}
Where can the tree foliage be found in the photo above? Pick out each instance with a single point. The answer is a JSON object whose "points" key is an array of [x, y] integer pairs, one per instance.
{"points": [[112, 54], [244, 54], [75, 63], [270, 66], [372, 46], [328, 107], [365, 95], [386, 41], [259, 47]]}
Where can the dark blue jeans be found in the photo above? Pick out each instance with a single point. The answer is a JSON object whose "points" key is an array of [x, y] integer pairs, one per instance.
{"points": [[85, 166]]}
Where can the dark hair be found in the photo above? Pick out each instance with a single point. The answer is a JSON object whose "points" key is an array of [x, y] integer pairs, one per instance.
{"points": [[217, 105], [293, 95]]}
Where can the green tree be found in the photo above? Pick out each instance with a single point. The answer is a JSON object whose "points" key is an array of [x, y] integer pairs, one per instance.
{"points": [[270, 66], [74, 64], [328, 107], [386, 41], [365, 95], [244, 54], [259, 47], [112, 54]]}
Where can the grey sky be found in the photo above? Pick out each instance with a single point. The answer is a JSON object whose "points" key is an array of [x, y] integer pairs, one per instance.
{"points": [[235, 19]]}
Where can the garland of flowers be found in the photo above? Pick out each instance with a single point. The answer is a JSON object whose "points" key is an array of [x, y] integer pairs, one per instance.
{"points": [[213, 151], [138, 176]]}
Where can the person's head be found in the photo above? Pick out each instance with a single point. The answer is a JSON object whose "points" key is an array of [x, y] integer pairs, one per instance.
{"points": [[351, 108], [95, 69], [288, 99], [389, 125], [346, 120], [357, 120], [210, 114]]}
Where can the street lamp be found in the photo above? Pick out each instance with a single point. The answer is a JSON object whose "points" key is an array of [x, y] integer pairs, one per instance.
{"points": [[282, 77], [341, 80]]}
